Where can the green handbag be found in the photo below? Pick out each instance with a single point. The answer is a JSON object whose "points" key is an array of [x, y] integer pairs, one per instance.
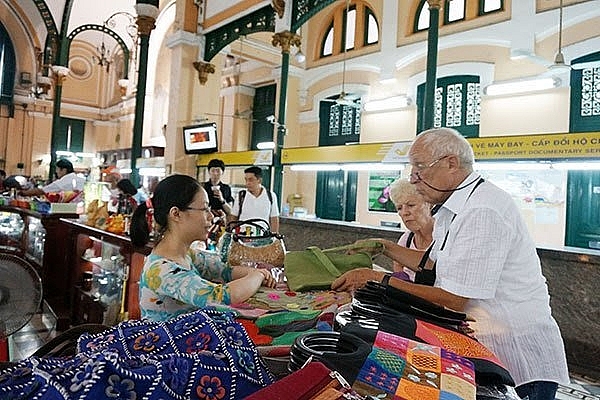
{"points": [[316, 269]]}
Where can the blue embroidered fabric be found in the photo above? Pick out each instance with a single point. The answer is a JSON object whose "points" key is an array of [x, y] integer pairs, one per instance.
{"points": [[201, 355]]}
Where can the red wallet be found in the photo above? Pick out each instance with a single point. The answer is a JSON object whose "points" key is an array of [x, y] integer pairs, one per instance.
{"points": [[313, 382]]}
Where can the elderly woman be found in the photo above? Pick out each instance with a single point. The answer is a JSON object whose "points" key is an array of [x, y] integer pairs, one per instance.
{"points": [[416, 216]]}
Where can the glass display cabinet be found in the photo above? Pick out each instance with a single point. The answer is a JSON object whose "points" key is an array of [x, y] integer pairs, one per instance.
{"points": [[12, 227], [103, 273], [99, 293], [36, 240]]}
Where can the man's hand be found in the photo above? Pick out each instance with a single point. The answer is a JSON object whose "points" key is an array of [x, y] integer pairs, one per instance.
{"points": [[355, 279]]}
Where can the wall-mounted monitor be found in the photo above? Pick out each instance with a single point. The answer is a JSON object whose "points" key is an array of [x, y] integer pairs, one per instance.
{"points": [[201, 138]]}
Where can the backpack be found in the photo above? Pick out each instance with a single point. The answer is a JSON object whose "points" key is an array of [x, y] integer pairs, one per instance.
{"points": [[242, 196]]}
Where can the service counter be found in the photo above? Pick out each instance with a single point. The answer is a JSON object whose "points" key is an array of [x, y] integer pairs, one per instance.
{"points": [[572, 275]]}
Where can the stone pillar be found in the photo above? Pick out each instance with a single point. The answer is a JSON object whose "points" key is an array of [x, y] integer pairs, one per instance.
{"points": [[285, 39], [147, 11], [59, 74], [430, 77]]}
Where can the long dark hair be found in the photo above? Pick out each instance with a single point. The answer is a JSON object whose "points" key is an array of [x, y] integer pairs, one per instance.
{"points": [[127, 187], [173, 191]]}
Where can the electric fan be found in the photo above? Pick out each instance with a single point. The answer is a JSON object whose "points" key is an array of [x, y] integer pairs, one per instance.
{"points": [[20, 297]]}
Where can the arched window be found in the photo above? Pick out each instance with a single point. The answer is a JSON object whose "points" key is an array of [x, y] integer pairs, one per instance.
{"points": [[356, 30], [7, 67], [456, 11]]}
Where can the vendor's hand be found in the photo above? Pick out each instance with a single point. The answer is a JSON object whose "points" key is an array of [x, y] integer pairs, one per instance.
{"points": [[268, 281], [355, 279]]}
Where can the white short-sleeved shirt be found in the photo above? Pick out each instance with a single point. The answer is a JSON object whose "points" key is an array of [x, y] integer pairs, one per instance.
{"points": [[490, 258], [69, 181], [256, 207]]}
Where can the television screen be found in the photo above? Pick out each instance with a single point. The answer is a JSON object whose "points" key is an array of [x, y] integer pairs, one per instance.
{"points": [[201, 138]]}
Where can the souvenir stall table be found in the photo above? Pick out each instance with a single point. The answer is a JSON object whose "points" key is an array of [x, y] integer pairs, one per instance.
{"points": [[274, 318]]}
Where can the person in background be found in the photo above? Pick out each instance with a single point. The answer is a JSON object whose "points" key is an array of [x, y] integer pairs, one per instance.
{"points": [[178, 276], [485, 264], [129, 194], [219, 193], [67, 181], [256, 201], [110, 194], [2, 178], [152, 182]]}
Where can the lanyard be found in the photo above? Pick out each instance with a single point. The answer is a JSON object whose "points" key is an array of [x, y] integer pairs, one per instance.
{"points": [[427, 276]]}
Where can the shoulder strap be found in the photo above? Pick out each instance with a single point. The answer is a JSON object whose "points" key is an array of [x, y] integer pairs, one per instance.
{"points": [[241, 197], [409, 239], [325, 261]]}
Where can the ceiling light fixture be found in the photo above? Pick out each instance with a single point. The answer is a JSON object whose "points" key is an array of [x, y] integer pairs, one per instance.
{"points": [[521, 86], [102, 59], [265, 145], [390, 103], [559, 65], [300, 57]]}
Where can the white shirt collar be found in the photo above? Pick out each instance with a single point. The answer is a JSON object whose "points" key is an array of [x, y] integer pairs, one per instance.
{"points": [[456, 202]]}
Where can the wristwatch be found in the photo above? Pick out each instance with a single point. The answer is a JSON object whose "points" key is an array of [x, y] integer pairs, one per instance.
{"points": [[386, 279]]}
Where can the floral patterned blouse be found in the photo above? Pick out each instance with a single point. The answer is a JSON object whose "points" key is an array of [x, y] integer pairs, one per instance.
{"points": [[168, 289]]}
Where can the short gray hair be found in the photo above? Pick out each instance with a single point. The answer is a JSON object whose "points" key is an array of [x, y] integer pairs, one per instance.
{"points": [[401, 190], [447, 141]]}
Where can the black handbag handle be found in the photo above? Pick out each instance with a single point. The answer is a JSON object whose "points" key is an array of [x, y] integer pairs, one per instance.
{"points": [[265, 232]]}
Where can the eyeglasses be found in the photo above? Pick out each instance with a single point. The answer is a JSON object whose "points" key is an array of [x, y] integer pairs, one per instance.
{"points": [[420, 166], [205, 209]]}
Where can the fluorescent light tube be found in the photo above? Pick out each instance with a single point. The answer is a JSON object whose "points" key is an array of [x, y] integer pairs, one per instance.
{"points": [[521, 86]]}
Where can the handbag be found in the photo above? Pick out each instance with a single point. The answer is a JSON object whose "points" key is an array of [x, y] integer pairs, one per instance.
{"points": [[395, 311], [313, 382], [264, 247], [316, 269]]}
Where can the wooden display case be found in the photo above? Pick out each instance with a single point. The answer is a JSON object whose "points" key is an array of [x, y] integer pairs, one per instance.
{"points": [[107, 256]]}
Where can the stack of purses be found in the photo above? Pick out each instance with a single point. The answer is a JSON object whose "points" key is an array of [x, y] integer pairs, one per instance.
{"points": [[382, 308], [375, 299]]}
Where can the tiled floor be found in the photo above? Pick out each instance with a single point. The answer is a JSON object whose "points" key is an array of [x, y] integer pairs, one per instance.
{"points": [[41, 329]]}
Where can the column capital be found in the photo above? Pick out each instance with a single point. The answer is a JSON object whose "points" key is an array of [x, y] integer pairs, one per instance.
{"points": [[59, 74], [286, 39], [435, 4], [204, 69], [145, 24], [279, 7]]}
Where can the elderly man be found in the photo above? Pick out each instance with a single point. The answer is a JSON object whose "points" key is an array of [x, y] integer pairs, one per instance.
{"points": [[485, 264]]}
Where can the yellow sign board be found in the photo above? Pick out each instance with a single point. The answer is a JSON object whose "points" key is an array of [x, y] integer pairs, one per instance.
{"points": [[553, 146], [251, 157], [521, 147], [355, 153]]}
